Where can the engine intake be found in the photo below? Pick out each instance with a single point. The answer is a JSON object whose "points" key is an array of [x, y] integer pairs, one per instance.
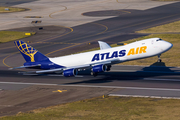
{"points": [[70, 72]]}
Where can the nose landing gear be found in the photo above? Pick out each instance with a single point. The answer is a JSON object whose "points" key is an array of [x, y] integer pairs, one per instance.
{"points": [[159, 59]]}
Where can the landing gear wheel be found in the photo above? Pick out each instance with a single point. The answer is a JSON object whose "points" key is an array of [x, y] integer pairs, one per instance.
{"points": [[94, 74], [108, 68], [159, 59]]}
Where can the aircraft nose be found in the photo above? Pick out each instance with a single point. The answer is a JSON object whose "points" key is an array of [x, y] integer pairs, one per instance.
{"points": [[167, 45]]}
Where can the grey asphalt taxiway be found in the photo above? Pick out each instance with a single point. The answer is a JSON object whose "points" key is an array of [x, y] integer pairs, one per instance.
{"points": [[121, 80]]}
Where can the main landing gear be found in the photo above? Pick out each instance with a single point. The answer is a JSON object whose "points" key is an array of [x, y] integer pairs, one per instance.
{"points": [[94, 74], [108, 68], [159, 59]]}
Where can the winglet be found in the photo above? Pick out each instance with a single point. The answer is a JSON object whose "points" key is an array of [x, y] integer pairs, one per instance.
{"points": [[103, 45]]}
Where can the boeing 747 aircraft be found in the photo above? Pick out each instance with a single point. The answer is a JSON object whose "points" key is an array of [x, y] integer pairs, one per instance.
{"points": [[98, 61]]}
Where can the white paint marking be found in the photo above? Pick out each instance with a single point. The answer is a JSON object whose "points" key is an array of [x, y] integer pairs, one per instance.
{"points": [[144, 71], [21, 83], [137, 88], [143, 96], [142, 66], [28, 74], [160, 79]]}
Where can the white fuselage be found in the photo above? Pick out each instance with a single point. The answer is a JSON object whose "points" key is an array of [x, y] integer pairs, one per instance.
{"points": [[136, 50]]}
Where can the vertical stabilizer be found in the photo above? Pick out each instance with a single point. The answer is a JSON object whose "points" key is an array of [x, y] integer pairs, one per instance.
{"points": [[29, 53]]}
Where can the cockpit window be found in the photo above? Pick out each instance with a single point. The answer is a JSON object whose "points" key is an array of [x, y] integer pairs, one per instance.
{"points": [[159, 39]]}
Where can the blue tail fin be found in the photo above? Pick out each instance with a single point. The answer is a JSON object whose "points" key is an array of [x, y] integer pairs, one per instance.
{"points": [[29, 53]]}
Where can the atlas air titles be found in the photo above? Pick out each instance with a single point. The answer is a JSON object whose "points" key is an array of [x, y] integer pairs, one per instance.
{"points": [[121, 53]]}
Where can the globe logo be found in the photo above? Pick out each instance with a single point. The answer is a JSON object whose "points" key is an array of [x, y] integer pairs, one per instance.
{"points": [[26, 49]]}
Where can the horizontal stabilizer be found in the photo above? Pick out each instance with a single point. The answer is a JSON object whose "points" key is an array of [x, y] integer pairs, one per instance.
{"points": [[51, 70], [25, 67], [42, 71]]}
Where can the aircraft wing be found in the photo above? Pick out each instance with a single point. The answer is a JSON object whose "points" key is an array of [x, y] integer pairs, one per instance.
{"points": [[60, 70], [85, 66]]}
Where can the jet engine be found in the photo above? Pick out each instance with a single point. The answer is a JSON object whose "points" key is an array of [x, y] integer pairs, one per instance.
{"points": [[70, 72], [99, 68]]}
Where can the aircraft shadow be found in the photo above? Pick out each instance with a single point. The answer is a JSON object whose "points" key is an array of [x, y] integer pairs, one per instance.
{"points": [[154, 70], [105, 77]]}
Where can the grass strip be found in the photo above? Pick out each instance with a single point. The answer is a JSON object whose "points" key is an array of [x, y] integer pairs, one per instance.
{"points": [[167, 28], [165, 0], [109, 108], [11, 9], [6, 36]]}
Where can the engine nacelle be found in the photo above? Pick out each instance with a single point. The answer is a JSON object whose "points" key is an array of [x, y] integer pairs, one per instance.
{"points": [[99, 68], [70, 72]]}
